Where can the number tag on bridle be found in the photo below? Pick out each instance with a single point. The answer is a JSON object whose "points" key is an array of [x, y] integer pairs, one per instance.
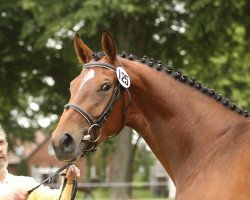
{"points": [[123, 77]]}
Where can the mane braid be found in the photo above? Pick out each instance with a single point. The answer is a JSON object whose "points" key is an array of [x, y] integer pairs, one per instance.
{"points": [[178, 75]]}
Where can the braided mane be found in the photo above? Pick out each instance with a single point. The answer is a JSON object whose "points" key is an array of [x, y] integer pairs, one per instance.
{"points": [[178, 75]]}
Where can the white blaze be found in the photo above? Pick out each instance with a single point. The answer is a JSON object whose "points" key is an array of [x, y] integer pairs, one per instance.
{"points": [[89, 76]]}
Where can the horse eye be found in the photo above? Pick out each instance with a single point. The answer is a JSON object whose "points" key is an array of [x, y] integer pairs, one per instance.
{"points": [[106, 86]]}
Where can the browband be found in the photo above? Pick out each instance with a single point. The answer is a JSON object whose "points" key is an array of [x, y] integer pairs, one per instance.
{"points": [[100, 64]]}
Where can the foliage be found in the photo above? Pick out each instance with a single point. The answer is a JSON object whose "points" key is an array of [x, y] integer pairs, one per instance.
{"points": [[219, 34], [25, 74]]}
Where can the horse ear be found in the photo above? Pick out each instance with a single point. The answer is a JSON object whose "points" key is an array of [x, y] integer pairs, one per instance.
{"points": [[83, 52], [108, 45]]}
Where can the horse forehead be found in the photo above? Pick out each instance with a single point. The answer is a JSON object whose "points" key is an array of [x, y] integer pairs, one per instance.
{"points": [[96, 73], [87, 77]]}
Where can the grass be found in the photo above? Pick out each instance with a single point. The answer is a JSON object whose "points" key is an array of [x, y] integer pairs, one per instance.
{"points": [[103, 194]]}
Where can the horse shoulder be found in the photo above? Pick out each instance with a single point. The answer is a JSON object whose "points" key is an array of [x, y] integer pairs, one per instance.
{"points": [[225, 174]]}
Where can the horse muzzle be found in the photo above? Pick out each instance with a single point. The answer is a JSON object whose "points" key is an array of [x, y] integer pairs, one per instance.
{"points": [[70, 149], [66, 149]]}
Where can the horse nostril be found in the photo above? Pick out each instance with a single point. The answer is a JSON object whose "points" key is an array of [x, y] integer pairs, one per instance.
{"points": [[67, 143]]}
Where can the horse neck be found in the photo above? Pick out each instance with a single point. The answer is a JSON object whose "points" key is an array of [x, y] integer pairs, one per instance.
{"points": [[177, 121]]}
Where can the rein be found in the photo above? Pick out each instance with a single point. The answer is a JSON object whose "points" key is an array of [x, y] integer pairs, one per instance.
{"points": [[104, 116], [74, 189]]}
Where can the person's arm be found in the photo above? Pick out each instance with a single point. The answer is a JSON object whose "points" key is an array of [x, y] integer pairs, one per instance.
{"points": [[15, 194], [46, 193]]}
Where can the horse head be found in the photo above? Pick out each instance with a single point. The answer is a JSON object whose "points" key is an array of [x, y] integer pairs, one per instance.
{"points": [[97, 106]]}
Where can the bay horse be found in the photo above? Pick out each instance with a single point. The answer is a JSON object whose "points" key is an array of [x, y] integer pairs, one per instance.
{"points": [[201, 138]]}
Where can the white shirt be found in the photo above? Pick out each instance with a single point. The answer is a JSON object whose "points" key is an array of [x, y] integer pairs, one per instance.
{"points": [[12, 182]]}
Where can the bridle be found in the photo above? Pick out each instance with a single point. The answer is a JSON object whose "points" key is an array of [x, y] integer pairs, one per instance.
{"points": [[93, 125]]}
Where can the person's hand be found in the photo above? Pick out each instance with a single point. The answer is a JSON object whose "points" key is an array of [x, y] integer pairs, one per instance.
{"points": [[16, 194], [72, 173]]}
